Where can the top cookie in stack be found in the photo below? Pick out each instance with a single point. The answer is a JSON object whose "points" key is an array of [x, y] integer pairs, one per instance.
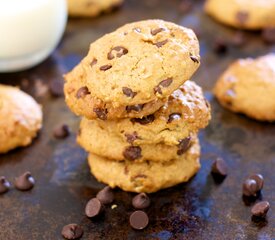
{"points": [[130, 73]]}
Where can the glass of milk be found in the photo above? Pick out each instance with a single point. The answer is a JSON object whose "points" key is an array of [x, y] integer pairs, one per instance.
{"points": [[29, 31]]}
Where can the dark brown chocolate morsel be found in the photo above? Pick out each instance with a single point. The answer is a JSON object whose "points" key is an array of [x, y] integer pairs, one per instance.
{"points": [[259, 180], [250, 188], [101, 113], [135, 108], [139, 220], [268, 34], [183, 145], [106, 195], [174, 116], [162, 43], [194, 59], [4, 185], [242, 17], [220, 46], [156, 31], [56, 87], [132, 153], [145, 120], [24, 182], [93, 208], [163, 84], [105, 67], [219, 167], [82, 92], [131, 137], [72, 231], [120, 51], [129, 92], [61, 131], [93, 62], [260, 209], [141, 201]]}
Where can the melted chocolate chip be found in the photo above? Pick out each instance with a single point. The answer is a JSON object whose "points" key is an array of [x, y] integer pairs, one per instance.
{"points": [[93, 208], [4, 185], [101, 113], [156, 31], [139, 220], [61, 131], [93, 62], [194, 59], [135, 108], [56, 87], [164, 83], [131, 137], [260, 209], [120, 51], [250, 188], [145, 120], [24, 182], [128, 92], [132, 153], [183, 145], [242, 17], [259, 180], [268, 35], [160, 44], [174, 116], [141, 201], [72, 231], [219, 168], [105, 67], [82, 92], [106, 195]]}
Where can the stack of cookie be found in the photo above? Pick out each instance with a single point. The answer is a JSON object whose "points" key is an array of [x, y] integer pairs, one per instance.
{"points": [[141, 112]]}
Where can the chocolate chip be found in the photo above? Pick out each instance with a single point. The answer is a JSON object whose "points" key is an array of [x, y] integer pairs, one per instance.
{"points": [[145, 120], [94, 62], [156, 31], [242, 17], [260, 209], [82, 92], [183, 145], [24, 182], [220, 46], [139, 220], [131, 137], [174, 116], [238, 39], [138, 30], [135, 108], [164, 83], [160, 44], [106, 195], [93, 208], [132, 153], [141, 201], [56, 87], [250, 188], [120, 52], [194, 59], [129, 92], [4, 185], [259, 180], [61, 131], [72, 231], [101, 113], [105, 67], [219, 168], [268, 35]]}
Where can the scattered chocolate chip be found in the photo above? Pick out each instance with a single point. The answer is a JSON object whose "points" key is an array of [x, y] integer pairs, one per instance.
{"points": [[101, 113], [82, 92], [94, 62], [4, 185], [250, 188], [160, 44], [105, 67], [131, 137], [185, 6], [132, 153], [220, 46], [93, 208], [174, 116], [128, 92], [183, 145], [242, 17], [141, 201], [145, 120], [135, 108], [72, 231], [238, 39], [139, 220], [194, 59], [24, 182], [106, 195], [268, 34], [156, 31], [219, 167], [259, 180], [260, 209], [138, 30], [61, 131], [120, 52], [56, 87], [164, 83]]}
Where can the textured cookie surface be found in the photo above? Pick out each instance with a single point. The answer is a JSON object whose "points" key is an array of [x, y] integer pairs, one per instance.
{"points": [[248, 86], [146, 176], [245, 14], [139, 63], [97, 140], [20, 118], [90, 8], [185, 112]]}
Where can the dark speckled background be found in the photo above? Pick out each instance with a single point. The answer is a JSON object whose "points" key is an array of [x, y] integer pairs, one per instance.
{"points": [[200, 209]]}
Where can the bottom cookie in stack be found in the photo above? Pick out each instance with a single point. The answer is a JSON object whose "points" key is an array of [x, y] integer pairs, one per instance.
{"points": [[147, 176]]}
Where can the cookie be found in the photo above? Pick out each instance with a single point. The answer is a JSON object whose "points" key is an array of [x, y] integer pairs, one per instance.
{"points": [[146, 176], [248, 87], [20, 118], [243, 14], [97, 140], [138, 64], [185, 112], [91, 8]]}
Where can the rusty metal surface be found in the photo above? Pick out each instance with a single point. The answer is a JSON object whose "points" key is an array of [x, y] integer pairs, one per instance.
{"points": [[200, 209]]}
